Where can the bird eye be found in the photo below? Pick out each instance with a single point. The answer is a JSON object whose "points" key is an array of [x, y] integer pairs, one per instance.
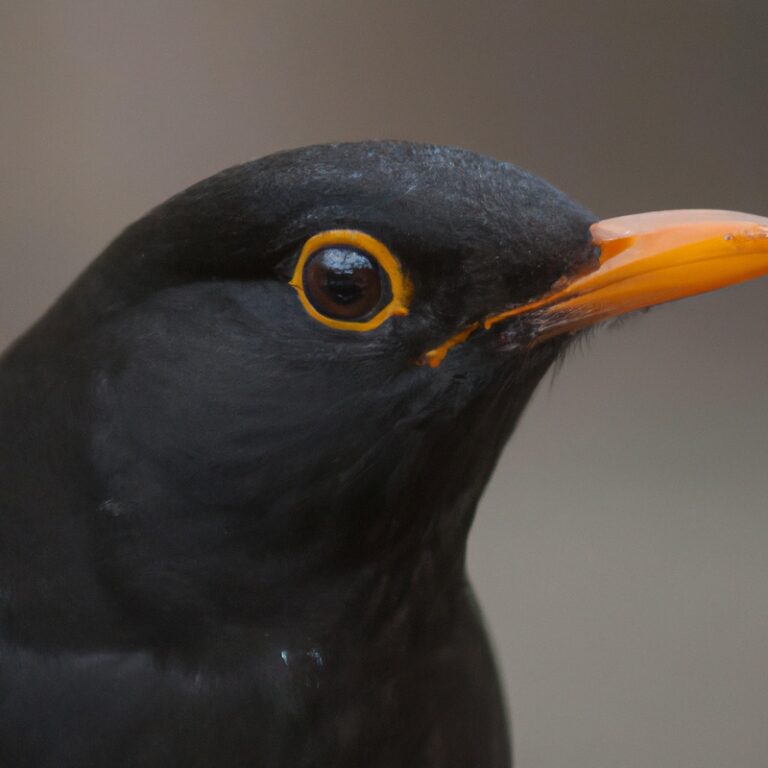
{"points": [[349, 280], [343, 283]]}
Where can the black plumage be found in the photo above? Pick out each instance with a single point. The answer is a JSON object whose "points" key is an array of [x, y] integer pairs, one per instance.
{"points": [[231, 535]]}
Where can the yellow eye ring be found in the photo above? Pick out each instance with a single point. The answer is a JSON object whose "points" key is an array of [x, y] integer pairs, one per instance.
{"points": [[378, 254]]}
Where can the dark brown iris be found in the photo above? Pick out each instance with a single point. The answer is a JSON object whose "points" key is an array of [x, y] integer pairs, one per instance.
{"points": [[343, 283]]}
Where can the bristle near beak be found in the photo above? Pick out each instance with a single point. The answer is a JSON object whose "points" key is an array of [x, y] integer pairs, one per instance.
{"points": [[644, 260]]}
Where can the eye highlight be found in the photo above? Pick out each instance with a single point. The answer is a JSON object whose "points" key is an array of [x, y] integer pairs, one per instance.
{"points": [[343, 283], [350, 281]]}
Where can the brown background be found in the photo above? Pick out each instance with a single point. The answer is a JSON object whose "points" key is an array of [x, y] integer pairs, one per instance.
{"points": [[621, 552]]}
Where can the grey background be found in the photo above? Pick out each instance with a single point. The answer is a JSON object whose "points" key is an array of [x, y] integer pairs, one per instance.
{"points": [[621, 552]]}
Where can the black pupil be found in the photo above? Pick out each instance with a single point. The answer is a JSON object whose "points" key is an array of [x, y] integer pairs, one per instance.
{"points": [[343, 283]]}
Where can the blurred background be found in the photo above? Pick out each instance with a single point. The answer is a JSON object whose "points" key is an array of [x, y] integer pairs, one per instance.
{"points": [[621, 551]]}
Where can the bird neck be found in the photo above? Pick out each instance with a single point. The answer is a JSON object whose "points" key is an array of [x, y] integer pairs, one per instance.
{"points": [[89, 560], [47, 588]]}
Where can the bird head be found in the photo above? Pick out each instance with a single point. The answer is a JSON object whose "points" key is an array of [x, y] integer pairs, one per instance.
{"points": [[293, 380]]}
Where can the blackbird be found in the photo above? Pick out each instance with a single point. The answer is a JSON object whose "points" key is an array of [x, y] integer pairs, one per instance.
{"points": [[242, 453]]}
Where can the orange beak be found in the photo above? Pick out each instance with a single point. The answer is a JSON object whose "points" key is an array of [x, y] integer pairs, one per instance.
{"points": [[645, 259]]}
